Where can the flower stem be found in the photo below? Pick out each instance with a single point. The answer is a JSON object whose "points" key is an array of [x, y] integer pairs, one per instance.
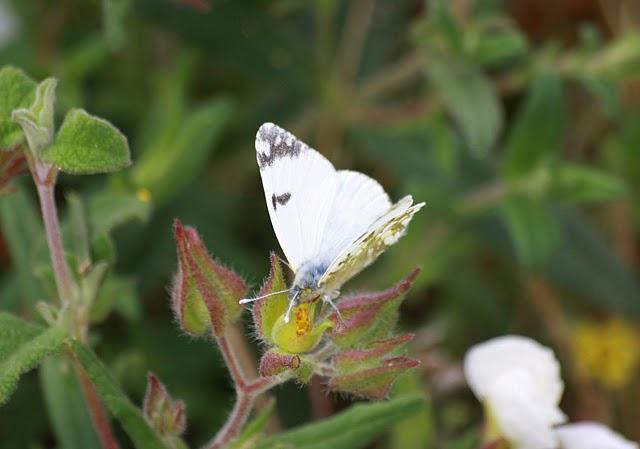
{"points": [[61, 271], [247, 392]]}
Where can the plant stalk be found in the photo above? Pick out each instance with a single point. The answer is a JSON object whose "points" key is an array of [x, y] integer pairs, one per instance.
{"points": [[247, 392], [61, 270]]}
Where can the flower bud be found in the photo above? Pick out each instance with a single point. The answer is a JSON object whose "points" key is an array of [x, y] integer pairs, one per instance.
{"points": [[205, 293], [275, 362], [369, 316], [164, 414]]}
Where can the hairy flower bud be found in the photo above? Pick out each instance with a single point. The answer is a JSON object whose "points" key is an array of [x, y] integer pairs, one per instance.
{"points": [[205, 293], [164, 414], [369, 316]]}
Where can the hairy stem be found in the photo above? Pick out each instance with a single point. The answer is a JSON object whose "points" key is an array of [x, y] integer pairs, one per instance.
{"points": [[54, 238], [247, 392]]}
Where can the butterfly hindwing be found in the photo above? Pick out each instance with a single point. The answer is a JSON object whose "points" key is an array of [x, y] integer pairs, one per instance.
{"points": [[383, 233], [299, 186], [359, 202]]}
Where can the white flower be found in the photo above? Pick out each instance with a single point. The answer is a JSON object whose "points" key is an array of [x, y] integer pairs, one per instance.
{"points": [[8, 24], [519, 382], [590, 435]]}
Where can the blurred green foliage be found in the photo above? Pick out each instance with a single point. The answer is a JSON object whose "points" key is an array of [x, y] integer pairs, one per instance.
{"points": [[525, 144]]}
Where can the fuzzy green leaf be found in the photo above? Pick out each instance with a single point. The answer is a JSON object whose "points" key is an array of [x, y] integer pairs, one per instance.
{"points": [[114, 399], [470, 99], [66, 405], [352, 429], [17, 90], [22, 347], [86, 144], [539, 128]]}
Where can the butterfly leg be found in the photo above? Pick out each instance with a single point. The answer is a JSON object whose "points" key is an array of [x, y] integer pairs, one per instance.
{"points": [[328, 299], [292, 303]]}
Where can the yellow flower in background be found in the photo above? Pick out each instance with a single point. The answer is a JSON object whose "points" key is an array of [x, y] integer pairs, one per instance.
{"points": [[607, 352]]}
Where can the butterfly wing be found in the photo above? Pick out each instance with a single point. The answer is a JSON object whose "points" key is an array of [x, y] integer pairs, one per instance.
{"points": [[299, 187], [366, 248], [359, 202]]}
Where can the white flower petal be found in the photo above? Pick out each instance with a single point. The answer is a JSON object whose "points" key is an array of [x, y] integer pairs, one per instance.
{"points": [[524, 413], [590, 435], [486, 362]]}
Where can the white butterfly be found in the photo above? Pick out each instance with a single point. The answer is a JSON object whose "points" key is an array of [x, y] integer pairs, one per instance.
{"points": [[330, 224]]}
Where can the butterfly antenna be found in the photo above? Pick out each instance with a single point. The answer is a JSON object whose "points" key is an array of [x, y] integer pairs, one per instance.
{"points": [[248, 300], [292, 303]]}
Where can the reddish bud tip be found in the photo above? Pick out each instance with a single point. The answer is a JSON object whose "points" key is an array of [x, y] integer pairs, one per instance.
{"points": [[12, 163]]}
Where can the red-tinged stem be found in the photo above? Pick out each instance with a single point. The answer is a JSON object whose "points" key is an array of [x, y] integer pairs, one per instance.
{"points": [[44, 178], [495, 444], [96, 410], [247, 393], [237, 375]]}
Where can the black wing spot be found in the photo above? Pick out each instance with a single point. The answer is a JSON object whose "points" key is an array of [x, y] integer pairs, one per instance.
{"points": [[280, 199], [281, 144]]}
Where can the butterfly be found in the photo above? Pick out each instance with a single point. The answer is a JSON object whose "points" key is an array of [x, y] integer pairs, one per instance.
{"points": [[331, 224]]}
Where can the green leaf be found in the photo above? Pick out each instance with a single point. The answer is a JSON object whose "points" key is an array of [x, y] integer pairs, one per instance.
{"points": [[182, 155], [109, 210], [114, 399], [37, 120], [23, 230], [586, 265], [419, 427], [533, 231], [22, 347], [66, 405], [539, 128], [17, 90], [578, 183], [489, 45], [352, 429], [86, 144], [470, 99]]}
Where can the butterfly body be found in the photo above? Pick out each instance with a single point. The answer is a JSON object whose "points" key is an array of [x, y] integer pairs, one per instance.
{"points": [[330, 223]]}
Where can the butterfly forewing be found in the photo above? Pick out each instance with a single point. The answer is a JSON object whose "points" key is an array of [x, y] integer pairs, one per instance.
{"points": [[367, 247], [299, 186]]}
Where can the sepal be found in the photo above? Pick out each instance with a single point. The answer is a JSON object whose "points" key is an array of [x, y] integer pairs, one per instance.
{"points": [[205, 293], [267, 311], [373, 382], [369, 316]]}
